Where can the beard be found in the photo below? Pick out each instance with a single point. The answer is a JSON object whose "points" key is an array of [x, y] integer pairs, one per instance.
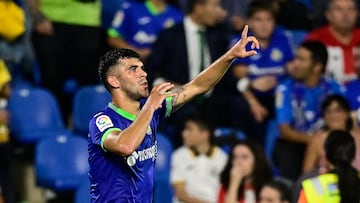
{"points": [[135, 94]]}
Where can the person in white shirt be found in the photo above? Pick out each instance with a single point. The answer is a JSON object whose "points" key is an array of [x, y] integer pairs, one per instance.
{"points": [[196, 166]]}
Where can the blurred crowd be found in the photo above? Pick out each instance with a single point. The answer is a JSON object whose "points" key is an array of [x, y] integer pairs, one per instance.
{"points": [[303, 84]]}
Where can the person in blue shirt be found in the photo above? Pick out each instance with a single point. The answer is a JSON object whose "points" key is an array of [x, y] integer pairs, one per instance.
{"points": [[353, 90], [298, 101], [257, 76], [137, 24], [122, 136]]}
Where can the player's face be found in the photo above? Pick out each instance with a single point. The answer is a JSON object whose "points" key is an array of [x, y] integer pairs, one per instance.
{"points": [[209, 12], [244, 159], [335, 117], [262, 24], [269, 195], [192, 134], [302, 66], [132, 78], [342, 14]]}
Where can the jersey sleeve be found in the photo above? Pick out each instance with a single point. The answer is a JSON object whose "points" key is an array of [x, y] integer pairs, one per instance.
{"points": [[166, 108], [101, 125], [283, 104]]}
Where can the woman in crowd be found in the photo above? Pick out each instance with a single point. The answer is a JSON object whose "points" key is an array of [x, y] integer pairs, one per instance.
{"points": [[246, 171], [342, 182], [336, 113]]}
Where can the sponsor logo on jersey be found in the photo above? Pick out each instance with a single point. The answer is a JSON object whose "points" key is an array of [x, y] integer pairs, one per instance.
{"points": [[103, 122], [142, 155]]}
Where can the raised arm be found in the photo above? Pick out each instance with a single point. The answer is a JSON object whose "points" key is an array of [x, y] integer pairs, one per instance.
{"points": [[211, 75]]}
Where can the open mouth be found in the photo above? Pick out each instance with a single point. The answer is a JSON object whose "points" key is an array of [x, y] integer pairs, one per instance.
{"points": [[144, 84]]}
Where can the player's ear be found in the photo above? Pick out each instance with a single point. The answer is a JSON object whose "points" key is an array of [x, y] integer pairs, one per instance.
{"points": [[113, 82]]}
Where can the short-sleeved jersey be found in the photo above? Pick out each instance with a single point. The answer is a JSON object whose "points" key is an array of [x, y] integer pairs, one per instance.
{"points": [[199, 172], [341, 63], [115, 178], [139, 23], [299, 105], [353, 96], [271, 60]]}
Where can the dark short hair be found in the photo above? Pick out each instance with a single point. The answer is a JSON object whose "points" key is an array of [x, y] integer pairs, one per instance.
{"points": [[282, 188], [261, 5], [204, 122], [319, 53], [110, 59], [190, 4]]}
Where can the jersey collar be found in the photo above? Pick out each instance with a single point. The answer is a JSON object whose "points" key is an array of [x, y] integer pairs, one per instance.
{"points": [[122, 112]]}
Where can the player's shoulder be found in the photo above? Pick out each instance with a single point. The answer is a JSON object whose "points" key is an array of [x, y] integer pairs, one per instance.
{"points": [[103, 113]]}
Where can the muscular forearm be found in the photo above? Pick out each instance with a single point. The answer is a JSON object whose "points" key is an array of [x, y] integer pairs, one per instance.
{"points": [[210, 76], [129, 139]]}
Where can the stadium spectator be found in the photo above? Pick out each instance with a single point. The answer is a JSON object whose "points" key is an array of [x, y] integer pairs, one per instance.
{"points": [[341, 37], [342, 183], [137, 24], [196, 166], [298, 101], [245, 173]]}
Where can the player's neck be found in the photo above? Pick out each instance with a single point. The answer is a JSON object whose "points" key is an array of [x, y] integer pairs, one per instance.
{"points": [[127, 104]]}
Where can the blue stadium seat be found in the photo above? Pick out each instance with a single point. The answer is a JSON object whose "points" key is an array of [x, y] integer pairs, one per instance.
{"points": [[163, 191], [35, 114], [82, 194], [61, 162], [88, 100]]}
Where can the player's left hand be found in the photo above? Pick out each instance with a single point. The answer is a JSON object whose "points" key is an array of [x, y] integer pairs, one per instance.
{"points": [[239, 49]]}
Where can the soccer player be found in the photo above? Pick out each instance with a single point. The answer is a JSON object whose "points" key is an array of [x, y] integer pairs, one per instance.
{"points": [[122, 140]]}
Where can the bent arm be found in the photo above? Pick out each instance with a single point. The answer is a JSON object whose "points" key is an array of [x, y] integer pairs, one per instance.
{"points": [[126, 141], [211, 75]]}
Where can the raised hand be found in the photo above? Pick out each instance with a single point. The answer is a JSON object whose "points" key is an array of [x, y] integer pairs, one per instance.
{"points": [[158, 94], [239, 49]]}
